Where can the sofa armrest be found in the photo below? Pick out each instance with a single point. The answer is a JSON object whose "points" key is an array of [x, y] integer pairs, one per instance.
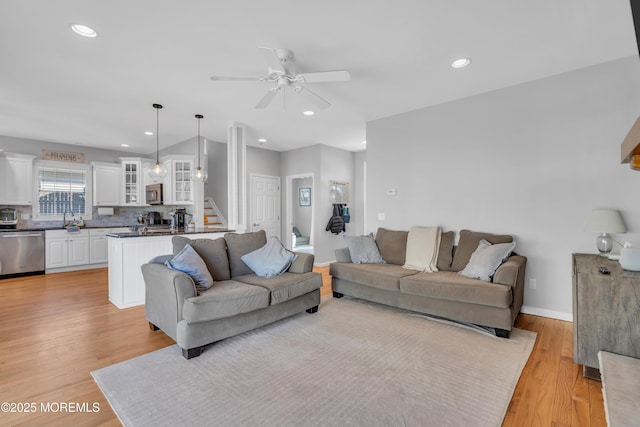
{"points": [[343, 255], [511, 273], [165, 292], [302, 264]]}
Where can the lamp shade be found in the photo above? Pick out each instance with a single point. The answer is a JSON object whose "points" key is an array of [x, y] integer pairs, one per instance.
{"points": [[605, 221]]}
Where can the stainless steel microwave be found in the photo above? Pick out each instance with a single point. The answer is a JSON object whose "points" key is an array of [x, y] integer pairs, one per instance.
{"points": [[154, 194]]}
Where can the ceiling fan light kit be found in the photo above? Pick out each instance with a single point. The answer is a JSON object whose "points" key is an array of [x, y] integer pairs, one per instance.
{"points": [[281, 73], [199, 174], [159, 170]]}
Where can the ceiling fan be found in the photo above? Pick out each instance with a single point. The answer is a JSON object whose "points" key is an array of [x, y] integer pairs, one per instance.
{"points": [[281, 73]]}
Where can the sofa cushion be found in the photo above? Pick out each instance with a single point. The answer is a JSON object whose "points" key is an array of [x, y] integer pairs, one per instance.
{"points": [[486, 259], [445, 252], [392, 245], [381, 276], [363, 249], [270, 260], [225, 299], [188, 261], [242, 244], [449, 285], [422, 248], [286, 286], [468, 243], [212, 251]]}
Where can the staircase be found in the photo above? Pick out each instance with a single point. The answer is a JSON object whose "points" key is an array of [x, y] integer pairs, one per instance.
{"points": [[213, 216]]}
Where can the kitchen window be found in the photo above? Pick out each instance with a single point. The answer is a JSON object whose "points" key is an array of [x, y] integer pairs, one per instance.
{"points": [[61, 187]]}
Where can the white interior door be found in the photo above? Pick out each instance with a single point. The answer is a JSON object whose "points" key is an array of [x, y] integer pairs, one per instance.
{"points": [[265, 204]]}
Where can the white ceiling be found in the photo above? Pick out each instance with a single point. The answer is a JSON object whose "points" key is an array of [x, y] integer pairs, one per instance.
{"points": [[57, 86]]}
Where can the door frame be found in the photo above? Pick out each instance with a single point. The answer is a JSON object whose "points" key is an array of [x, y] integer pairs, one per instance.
{"points": [[289, 207], [252, 176]]}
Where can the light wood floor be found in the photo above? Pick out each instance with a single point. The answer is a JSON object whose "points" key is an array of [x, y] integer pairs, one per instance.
{"points": [[55, 329]]}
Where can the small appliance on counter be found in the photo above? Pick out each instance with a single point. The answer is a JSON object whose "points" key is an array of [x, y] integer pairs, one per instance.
{"points": [[180, 217], [154, 218], [154, 194], [8, 218]]}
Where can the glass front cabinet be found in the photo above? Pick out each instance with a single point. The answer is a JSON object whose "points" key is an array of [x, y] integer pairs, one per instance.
{"points": [[132, 182], [177, 185]]}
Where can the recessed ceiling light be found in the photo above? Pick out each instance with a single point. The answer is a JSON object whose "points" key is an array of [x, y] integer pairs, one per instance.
{"points": [[124, 145], [461, 63], [262, 140], [84, 31], [364, 142], [308, 113], [149, 133]]}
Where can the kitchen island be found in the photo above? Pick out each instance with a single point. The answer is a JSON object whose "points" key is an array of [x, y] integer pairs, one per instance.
{"points": [[128, 251]]}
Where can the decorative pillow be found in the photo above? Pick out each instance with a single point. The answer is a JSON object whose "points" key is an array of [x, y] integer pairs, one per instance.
{"points": [[486, 259], [363, 249], [270, 260], [239, 244], [188, 261], [469, 242], [392, 245], [445, 251], [212, 251], [422, 249]]}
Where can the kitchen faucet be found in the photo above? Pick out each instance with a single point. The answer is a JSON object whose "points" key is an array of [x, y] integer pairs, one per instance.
{"points": [[64, 218]]}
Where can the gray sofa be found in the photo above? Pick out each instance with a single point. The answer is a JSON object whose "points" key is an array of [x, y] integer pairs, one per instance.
{"points": [[238, 301], [444, 293]]}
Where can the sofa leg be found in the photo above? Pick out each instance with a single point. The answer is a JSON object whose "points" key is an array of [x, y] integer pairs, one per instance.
{"points": [[337, 294], [502, 333], [312, 310], [153, 327], [192, 352]]}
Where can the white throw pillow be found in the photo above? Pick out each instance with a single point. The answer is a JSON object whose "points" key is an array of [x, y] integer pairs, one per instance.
{"points": [[363, 249], [270, 260], [423, 244], [486, 259]]}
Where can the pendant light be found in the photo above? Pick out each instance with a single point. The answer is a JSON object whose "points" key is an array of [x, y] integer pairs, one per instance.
{"points": [[159, 170], [199, 174]]}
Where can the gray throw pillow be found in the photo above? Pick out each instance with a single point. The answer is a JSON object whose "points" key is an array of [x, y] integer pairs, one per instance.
{"points": [[486, 259], [270, 260], [363, 250], [188, 261]]}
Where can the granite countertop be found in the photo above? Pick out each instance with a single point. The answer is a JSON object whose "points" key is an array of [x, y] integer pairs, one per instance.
{"points": [[58, 227], [167, 232]]}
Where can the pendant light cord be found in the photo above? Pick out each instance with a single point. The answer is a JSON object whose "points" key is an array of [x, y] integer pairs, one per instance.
{"points": [[199, 116], [157, 107]]}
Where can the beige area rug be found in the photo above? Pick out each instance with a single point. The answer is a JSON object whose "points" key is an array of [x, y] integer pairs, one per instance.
{"points": [[352, 363]]}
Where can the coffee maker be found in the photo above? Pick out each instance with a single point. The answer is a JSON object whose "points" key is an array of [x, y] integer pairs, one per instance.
{"points": [[180, 218]]}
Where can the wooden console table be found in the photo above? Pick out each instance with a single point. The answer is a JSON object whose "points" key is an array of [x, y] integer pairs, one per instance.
{"points": [[606, 311]]}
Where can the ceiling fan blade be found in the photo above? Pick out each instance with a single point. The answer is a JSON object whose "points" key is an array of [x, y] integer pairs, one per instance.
{"points": [[326, 76], [273, 59], [319, 101], [266, 99], [216, 78]]}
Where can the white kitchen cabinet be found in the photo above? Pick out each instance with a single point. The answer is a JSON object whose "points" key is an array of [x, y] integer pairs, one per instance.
{"points": [[99, 245], [16, 179], [134, 180], [106, 184], [64, 249], [178, 189]]}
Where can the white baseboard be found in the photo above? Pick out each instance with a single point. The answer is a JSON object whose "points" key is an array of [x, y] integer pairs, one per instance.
{"points": [[322, 264], [547, 313]]}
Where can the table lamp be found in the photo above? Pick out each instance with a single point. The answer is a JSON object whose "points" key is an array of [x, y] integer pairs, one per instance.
{"points": [[605, 222]]}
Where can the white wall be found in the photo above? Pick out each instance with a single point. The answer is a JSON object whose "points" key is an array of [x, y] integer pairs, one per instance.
{"points": [[324, 163], [301, 215], [530, 160]]}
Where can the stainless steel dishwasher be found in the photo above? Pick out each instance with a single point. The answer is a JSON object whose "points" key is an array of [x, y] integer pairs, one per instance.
{"points": [[21, 253]]}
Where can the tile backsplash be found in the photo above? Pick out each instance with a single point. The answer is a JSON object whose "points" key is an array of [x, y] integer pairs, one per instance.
{"points": [[122, 216]]}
